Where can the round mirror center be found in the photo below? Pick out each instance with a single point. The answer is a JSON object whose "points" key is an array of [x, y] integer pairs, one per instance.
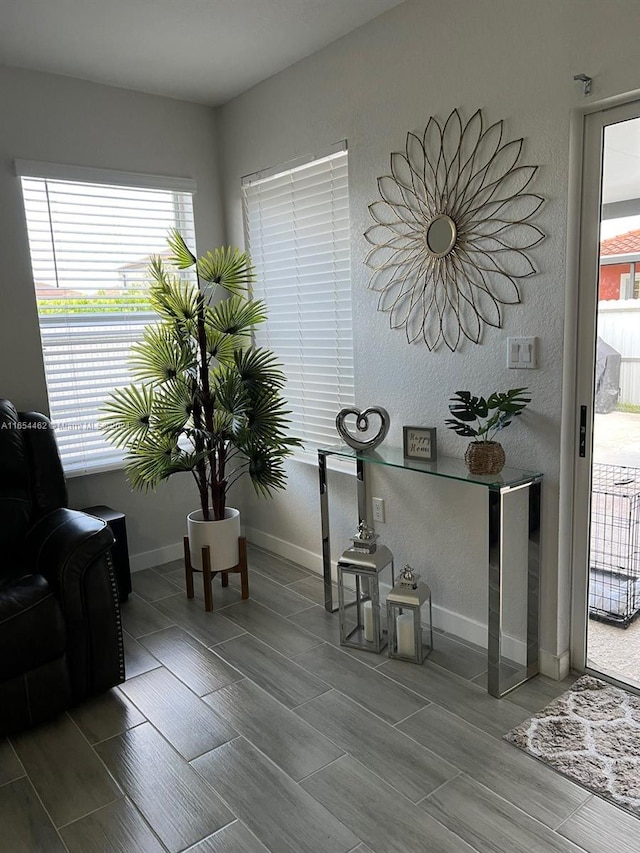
{"points": [[440, 235]]}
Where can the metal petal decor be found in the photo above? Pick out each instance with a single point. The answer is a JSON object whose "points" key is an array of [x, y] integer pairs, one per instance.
{"points": [[452, 232]]}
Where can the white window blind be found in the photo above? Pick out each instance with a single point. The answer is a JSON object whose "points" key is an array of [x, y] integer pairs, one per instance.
{"points": [[90, 244], [297, 232]]}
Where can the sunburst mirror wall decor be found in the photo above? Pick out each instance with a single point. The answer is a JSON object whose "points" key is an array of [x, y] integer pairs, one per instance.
{"points": [[452, 233]]}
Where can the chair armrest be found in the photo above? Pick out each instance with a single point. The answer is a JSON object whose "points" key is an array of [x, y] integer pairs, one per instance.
{"points": [[72, 550], [63, 543]]}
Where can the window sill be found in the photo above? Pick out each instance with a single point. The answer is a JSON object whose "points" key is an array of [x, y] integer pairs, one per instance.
{"points": [[87, 472]]}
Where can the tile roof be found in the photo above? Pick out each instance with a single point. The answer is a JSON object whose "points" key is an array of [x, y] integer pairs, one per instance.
{"points": [[622, 244]]}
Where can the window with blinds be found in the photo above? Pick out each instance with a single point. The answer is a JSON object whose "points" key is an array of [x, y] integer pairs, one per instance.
{"points": [[297, 233], [91, 241]]}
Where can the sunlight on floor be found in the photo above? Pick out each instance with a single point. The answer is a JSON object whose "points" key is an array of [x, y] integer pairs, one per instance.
{"points": [[615, 651]]}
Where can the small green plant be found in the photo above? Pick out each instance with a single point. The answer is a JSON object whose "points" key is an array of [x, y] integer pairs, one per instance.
{"points": [[490, 415]]}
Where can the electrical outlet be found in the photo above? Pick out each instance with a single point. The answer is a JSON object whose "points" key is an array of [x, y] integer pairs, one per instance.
{"points": [[378, 509]]}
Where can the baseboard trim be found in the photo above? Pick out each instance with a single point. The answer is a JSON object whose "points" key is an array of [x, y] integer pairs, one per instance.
{"points": [[280, 547], [460, 626], [149, 559], [287, 550], [555, 666]]}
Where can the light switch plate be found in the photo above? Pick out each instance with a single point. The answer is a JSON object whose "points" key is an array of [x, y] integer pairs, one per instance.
{"points": [[522, 353]]}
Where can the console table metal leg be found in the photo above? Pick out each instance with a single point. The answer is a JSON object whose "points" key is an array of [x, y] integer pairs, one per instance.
{"points": [[494, 648], [361, 487], [326, 542], [498, 681], [533, 581]]}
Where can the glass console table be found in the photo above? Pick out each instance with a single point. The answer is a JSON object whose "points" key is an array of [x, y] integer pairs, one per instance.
{"points": [[502, 676]]}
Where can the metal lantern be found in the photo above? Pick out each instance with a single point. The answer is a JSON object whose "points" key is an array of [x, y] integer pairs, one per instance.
{"points": [[362, 563], [404, 618]]}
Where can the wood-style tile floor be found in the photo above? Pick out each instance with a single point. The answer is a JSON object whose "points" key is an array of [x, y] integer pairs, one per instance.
{"points": [[249, 730]]}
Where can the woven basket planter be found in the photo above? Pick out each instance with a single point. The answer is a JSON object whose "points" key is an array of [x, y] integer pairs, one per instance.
{"points": [[484, 457]]}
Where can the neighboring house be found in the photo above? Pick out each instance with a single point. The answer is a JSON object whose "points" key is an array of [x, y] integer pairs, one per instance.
{"points": [[50, 291], [620, 267], [136, 273]]}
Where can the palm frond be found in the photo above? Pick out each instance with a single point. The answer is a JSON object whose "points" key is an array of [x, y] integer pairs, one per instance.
{"points": [[161, 355], [229, 392], [224, 424], [267, 416], [181, 256], [221, 346], [157, 271], [258, 365], [266, 466], [153, 460], [187, 461], [237, 316], [175, 298], [174, 406], [230, 268], [125, 418]]}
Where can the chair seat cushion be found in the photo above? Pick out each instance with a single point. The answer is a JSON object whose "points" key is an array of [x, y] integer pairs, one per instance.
{"points": [[32, 628]]}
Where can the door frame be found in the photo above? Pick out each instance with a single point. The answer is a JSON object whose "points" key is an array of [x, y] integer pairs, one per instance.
{"points": [[583, 272]]}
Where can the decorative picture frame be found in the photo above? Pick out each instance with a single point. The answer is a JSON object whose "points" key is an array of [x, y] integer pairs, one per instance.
{"points": [[419, 443]]}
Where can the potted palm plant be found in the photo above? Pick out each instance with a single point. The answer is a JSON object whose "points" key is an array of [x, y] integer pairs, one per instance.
{"points": [[481, 419], [206, 401]]}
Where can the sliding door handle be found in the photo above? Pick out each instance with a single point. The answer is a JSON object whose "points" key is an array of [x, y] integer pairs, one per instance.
{"points": [[582, 442]]}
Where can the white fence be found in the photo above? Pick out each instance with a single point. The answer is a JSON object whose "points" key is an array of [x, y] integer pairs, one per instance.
{"points": [[619, 326]]}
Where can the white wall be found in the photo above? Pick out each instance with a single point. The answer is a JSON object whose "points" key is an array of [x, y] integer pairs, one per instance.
{"points": [[57, 119], [618, 324], [515, 59]]}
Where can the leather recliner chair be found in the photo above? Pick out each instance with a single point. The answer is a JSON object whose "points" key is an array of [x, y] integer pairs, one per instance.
{"points": [[60, 630]]}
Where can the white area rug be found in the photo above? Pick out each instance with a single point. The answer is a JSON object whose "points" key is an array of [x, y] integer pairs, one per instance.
{"points": [[592, 735]]}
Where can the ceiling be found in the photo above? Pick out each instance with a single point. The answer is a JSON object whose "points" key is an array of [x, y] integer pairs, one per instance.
{"points": [[206, 51]]}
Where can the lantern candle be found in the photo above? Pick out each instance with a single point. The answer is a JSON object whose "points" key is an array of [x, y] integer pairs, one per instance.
{"points": [[405, 633], [368, 621]]}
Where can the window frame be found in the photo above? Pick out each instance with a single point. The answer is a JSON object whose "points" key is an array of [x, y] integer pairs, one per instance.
{"points": [[107, 458]]}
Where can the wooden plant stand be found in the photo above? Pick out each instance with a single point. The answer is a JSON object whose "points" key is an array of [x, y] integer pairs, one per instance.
{"points": [[208, 575]]}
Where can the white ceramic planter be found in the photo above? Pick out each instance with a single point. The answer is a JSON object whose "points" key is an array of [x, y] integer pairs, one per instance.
{"points": [[221, 537]]}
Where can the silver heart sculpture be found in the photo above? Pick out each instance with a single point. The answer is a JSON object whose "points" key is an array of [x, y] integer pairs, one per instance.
{"points": [[362, 425]]}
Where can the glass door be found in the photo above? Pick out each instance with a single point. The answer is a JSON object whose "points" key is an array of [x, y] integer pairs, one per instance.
{"points": [[607, 482]]}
